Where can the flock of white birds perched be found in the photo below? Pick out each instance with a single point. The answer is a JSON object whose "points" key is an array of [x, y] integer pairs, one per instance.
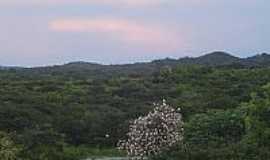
{"points": [[149, 135]]}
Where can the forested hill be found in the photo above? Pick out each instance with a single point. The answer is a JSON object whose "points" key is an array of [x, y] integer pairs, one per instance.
{"points": [[211, 59], [215, 59], [58, 112]]}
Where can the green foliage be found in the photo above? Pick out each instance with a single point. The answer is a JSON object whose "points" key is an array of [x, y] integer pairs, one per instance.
{"points": [[8, 149], [211, 136], [258, 117], [257, 140], [215, 129], [54, 111]]}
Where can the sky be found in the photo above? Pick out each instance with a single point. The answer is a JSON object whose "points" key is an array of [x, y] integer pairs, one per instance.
{"points": [[49, 32]]}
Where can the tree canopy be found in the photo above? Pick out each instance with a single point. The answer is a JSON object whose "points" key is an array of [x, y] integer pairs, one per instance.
{"points": [[51, 111]]}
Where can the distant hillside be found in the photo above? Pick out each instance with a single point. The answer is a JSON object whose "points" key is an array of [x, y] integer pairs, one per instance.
{"points": [[211, 59], [215, 59], [262, 60], [7, 68]]}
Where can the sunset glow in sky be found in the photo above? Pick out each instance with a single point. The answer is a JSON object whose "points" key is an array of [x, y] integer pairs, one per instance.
{"points": [[47, 32]]}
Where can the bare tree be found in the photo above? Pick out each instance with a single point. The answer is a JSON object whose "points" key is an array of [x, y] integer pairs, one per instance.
{"points": [[149, 135]]}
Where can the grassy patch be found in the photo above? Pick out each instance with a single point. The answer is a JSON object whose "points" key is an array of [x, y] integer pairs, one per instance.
{"points": [[81, 152]]}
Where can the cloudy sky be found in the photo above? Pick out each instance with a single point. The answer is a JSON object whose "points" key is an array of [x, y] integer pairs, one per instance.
{"points": [[46, 32]]}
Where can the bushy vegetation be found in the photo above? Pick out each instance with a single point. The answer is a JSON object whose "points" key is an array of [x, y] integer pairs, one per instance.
{"points": [[8, 150], [59, 115]]}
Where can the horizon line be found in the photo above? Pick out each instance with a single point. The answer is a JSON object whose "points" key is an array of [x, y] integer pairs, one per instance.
{"points": [[138, 62]]}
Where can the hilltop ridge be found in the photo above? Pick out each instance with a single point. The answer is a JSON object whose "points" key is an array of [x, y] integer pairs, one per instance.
{"points": [[214, 59]]}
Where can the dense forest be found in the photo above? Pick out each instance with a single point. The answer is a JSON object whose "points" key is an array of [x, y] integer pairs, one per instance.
{"points": [[72, 111]]}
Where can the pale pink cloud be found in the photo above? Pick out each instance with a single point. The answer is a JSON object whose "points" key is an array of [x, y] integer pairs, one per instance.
{"points": [[129, 32]]}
